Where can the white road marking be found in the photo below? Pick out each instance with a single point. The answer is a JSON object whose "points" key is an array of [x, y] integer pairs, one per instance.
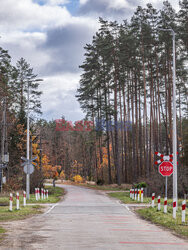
{"points": [[50, 209]]}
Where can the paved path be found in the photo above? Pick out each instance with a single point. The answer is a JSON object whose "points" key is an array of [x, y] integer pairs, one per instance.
{"points": [[88, 219]]}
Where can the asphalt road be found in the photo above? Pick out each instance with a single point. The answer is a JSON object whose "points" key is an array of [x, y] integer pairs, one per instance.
{"points": [[88, 219]]}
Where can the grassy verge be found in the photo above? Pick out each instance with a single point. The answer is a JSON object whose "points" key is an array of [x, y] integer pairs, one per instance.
{"points": [[103, 187], [165, 220], [54, 195], [125, 198]]}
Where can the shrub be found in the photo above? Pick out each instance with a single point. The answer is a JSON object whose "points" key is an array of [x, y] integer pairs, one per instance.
{"points": [[78, 178], [100, 182]]}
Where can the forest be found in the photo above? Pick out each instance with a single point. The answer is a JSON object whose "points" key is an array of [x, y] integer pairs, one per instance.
{"points": [[125, 91]]}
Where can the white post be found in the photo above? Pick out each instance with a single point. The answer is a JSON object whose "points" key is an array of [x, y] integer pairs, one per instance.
{"points": [[142, 195], [24, 198], [175, 192], [183, 211], [138, 194], [47, 193], [165, 205], [10, 202], [130, 193], [44, 193], [135, 197], [38, 191], [153, 200], [159, 203], [28, 175], [17, 201], [174, 208]]}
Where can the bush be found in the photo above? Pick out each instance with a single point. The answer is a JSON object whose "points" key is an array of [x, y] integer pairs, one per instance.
{"points": [[78, 178], [100, 182]]}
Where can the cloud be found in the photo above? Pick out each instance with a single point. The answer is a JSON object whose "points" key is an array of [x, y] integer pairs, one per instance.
{"points": [[24, 14], [65, 47], [116, 9], [59, 97]]}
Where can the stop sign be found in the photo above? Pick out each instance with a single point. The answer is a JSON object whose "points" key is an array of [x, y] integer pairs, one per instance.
{"points": [[166, 168]]}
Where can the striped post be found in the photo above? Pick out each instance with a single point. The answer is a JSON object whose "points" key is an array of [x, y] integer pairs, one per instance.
{"points": [[183, 211], [135, 197], [42, 193], [17, 201], [24, 198], [159, 203], [47, 193], [165, 205], [142, 195], [153, 200], [138, 194], [130, 193], [174, 208], [36, 194], [10, 202]]}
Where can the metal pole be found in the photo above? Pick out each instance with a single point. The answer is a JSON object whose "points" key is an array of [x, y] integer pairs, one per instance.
{"points": [[27, 175], [166, 187], [175, 192]]}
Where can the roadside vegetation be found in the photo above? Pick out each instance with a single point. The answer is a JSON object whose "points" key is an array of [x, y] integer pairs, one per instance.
{"points": [[155, 216], [165, 220], [33, 207]]}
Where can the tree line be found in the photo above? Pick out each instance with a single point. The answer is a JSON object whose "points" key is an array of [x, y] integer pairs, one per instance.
{"points": [[127, 78]]}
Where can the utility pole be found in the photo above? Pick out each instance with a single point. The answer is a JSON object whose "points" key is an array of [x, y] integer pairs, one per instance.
{"points": [[4, 149], [175, 189], [27, 175]]}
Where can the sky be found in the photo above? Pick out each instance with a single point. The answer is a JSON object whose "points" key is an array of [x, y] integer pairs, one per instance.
{"points": [[51, 34]]}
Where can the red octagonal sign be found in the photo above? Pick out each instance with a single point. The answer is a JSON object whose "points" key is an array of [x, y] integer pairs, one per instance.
{"points": [[166, 168]]}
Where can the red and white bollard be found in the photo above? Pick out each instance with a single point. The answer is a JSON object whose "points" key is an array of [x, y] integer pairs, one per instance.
{"points": [[165, 205], [24, 198], [159, 203], [130, 193], [153, 200], [36, 194], [174, 208], [142, 195], [38, 191], [42, 193], [138, 194], [17, 201], [10, 202], [135, 197], [183, 210]]}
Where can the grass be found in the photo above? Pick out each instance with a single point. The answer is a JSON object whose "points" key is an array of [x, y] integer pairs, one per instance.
{"points": [[165, 220], [54, 195], [157, 217], [125, 197], [102, 187], [22, 213]]}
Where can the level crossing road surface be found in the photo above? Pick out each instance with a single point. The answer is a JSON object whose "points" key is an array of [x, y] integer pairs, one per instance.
{"points": [[89, 219]]}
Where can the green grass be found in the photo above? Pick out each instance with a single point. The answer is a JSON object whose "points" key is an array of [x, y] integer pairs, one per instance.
{"points": [[102, 187], [165, 220], [54, 195], [125, 197], [2, 231], [22, 213]]}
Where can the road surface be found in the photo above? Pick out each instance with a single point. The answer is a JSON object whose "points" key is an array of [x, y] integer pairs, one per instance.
{"points": [[88, 219]]}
